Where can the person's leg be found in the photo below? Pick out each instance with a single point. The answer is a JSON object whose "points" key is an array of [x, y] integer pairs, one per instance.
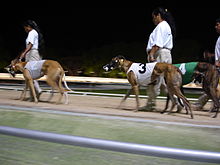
{"points": [[202, 100], [37, 89], [37, 86], [163, 55], [151, 102], [153, 91], [33, 55]]}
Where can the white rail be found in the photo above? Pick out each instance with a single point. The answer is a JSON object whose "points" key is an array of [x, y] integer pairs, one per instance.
{"points": [[141, 149]]}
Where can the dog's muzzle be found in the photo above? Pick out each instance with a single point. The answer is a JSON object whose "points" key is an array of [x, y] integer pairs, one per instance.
{"points": [[198, 76], [10, 70], [107, 68]]}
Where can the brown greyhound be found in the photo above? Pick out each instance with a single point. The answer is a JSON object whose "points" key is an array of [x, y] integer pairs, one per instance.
{"points": [[36, 69], [187, 70], [139, 74], [210, 83]]}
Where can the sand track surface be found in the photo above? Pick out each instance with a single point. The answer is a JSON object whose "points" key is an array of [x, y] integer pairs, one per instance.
{"points": [[108, 106]]}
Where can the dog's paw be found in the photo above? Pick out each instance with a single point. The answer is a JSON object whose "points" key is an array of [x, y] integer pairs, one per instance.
{"points": [[22, 98], [213, 115], [120, 106]]}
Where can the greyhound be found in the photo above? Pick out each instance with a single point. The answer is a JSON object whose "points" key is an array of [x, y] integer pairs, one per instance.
{"points": [[187, 70], [139, 74], [33, 70], [210, 83]]}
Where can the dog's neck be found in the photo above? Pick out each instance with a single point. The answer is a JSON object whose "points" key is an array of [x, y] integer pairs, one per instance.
{"points": [[126, 65], [20, 66]]}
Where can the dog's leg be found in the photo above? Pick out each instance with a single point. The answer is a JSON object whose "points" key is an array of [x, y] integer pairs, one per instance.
{"points": [[211, 88], [167, 103], [60, 87], [61, 91], [30, 83], [216, 114], [174, 88], [124, 98], [66, 97], [174, 103], [51, 95], [54, 79], [170, 96], [213, 94], [66, 90], [185, 101], [23, 94], [180, 105], [218, 96], [135, 87], [136, 92], [54, 86]]}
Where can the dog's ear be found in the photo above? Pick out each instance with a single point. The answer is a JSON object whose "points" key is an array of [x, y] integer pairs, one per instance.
{"points": [[121, 57], [202, 66]]}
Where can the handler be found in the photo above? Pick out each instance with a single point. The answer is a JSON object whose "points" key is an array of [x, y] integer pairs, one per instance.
{"points": [[159, 48], [204, 98], [34, 47]]}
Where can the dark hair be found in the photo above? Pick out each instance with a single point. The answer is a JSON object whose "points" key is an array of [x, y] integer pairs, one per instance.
{"points": [[41, 43], [209, 57], [167, 16], [217, 20]]}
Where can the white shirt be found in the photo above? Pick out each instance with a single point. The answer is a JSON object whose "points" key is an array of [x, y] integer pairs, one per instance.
{"points": [[161, 36], [33, 39], [143, 72], [217, 50]]}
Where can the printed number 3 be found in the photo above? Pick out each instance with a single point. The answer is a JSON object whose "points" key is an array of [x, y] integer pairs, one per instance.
{"points": [[143, 68]]}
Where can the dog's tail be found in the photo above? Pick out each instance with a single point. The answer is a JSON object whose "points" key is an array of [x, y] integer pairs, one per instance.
{"points": [[65, 83]]}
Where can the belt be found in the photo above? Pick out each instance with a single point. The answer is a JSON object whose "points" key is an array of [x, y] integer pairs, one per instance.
{"points": [[166, 48]]}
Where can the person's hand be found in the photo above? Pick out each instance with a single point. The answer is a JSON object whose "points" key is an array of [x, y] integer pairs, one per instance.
{"points": [[22, 56], [151, 58], [217, 63]]}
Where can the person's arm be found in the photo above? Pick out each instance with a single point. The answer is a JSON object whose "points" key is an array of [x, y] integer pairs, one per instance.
{"points": [[28, 48], [151, 57], [217, 63]]}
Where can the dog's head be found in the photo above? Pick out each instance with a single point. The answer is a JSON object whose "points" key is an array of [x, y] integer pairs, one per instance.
{"points": [[202, 67], [116, 62], [209, 57], [12, 68], [199, 71]]}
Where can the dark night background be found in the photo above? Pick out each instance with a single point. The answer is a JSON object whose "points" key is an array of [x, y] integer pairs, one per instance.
{"points": [[84, 39]]}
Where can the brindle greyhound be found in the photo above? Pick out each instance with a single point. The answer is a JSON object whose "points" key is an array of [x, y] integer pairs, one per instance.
{"points": [[52, 69], [187, 70], [210, 83], [139, 74]]}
